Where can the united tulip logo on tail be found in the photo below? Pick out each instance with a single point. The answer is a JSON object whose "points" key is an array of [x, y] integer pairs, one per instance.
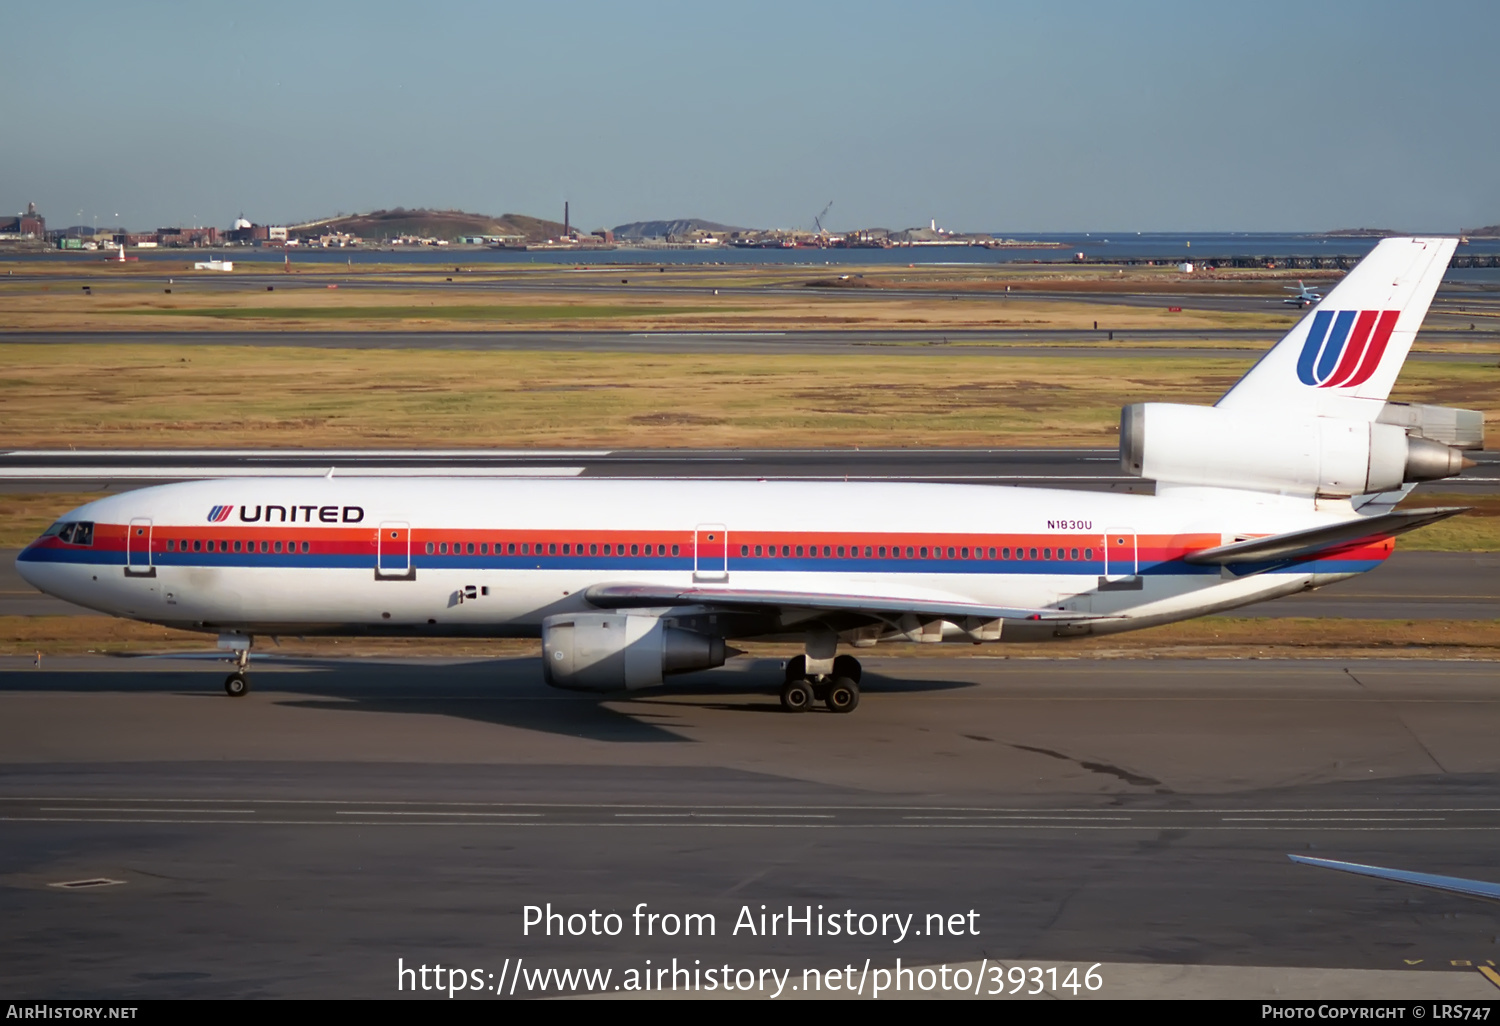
{"points": [[219, 514], [1344, 348]]}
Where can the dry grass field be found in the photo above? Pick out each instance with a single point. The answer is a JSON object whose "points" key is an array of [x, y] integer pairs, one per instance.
{"points": [[143, 396]]}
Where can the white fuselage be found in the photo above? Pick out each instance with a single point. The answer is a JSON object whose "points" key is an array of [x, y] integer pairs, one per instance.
{"points": [[447, 556]]}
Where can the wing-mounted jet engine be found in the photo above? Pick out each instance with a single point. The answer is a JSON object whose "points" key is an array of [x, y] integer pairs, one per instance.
{"points": [[621, 651]]}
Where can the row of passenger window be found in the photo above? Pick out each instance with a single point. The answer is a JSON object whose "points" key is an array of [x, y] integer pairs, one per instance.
{"points": [[546, 549], [763, 551], [917, 552], [223, 545]]}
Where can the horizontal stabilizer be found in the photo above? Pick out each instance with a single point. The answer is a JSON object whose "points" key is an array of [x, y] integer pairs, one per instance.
{"points": [[1453, 884], [622, 596], [1309, 542]]}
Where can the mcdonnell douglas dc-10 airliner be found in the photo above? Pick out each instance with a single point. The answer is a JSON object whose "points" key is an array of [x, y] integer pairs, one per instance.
{"points": [[1287, 483]]}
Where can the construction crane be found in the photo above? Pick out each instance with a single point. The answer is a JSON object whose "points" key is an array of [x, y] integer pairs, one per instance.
{"points": [[818, 221]]}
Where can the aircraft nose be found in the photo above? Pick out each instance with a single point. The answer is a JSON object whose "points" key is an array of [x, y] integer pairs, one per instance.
{"points": [[26, 569]]}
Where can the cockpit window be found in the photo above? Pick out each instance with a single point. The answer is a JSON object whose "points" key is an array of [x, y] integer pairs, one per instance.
{"points": [[77, 533]]}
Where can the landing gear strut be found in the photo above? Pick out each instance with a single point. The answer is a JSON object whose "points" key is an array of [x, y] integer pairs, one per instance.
{"points": [[838, 691], [237, 685]]}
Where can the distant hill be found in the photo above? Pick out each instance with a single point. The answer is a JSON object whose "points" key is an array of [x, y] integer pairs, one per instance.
{"points": [[1489, 231], [439, 224], [661, 229], [1361, 233]]}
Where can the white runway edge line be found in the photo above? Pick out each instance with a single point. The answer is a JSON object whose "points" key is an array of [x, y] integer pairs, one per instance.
{"points": [[322, 454], [610, 806], [354, 470]]}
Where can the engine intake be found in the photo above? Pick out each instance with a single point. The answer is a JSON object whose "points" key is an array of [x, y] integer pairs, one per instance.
{"points": [[1323, 456], [614, 651]]}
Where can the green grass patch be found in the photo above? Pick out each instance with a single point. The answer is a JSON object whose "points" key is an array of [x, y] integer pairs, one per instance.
{"points": [[1463, 533]]}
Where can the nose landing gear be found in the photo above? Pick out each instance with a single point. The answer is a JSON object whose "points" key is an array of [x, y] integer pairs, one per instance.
{"points": [[237, 684]]}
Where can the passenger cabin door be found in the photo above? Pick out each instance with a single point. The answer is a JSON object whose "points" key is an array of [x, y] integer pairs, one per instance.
{"points": [[138, 549], [710, 553], [393, 552], [1121, 560]]}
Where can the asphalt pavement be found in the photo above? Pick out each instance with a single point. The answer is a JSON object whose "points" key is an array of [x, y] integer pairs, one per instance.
{"points": [[350, 813]]}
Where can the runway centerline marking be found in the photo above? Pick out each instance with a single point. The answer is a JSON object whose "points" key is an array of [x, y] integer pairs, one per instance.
{"points": [[444, 812], [1046, 819], [184, 812], [1330, 819], [724, 815]]}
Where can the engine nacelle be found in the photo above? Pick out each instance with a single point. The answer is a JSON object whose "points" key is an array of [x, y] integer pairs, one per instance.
{"points": [[611, 651], [1325, 456]]}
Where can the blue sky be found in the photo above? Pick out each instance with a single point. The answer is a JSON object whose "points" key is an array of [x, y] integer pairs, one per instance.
{"points": [[986, 116]]}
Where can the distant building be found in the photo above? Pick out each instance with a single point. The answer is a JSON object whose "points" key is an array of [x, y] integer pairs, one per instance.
{"points": [[247, 234], [187, 236], [29, 225], [333, 240]]}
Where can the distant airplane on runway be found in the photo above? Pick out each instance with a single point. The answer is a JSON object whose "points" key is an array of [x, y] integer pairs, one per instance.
{"points": [[1288, 483], [1305, 296]]}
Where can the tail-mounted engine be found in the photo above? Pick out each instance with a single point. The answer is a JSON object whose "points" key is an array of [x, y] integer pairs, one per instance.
{"points": [[614, 651], [1296, 455]]}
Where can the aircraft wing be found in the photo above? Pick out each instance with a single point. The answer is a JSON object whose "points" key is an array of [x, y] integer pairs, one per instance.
{"points": [[622, 596], [1311, 541], [1454, 884]]}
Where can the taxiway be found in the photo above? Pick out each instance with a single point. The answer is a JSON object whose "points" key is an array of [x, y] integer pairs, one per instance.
{"points": [[349, 813]]}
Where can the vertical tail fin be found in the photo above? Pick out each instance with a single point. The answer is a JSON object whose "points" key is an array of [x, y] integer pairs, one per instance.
{"points": [[1343, 357]]}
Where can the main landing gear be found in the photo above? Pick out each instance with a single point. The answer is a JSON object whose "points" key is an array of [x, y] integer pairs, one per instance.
{"points": [[237, 685], [839, 690]]}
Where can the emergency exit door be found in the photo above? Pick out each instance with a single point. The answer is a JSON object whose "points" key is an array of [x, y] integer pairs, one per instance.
{"points": [[1121, 555], [138, 549], [710, 553], [393, 553]]}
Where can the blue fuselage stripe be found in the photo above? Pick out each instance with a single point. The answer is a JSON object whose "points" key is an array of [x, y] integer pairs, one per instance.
{"points": [[614, 565]]}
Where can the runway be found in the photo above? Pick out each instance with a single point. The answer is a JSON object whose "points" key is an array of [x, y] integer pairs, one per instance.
{"points": [[1236, 343], [350, 812]]}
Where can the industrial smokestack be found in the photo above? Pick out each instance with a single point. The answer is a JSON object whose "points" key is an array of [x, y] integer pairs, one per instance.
{"points": [[566, 232]]}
